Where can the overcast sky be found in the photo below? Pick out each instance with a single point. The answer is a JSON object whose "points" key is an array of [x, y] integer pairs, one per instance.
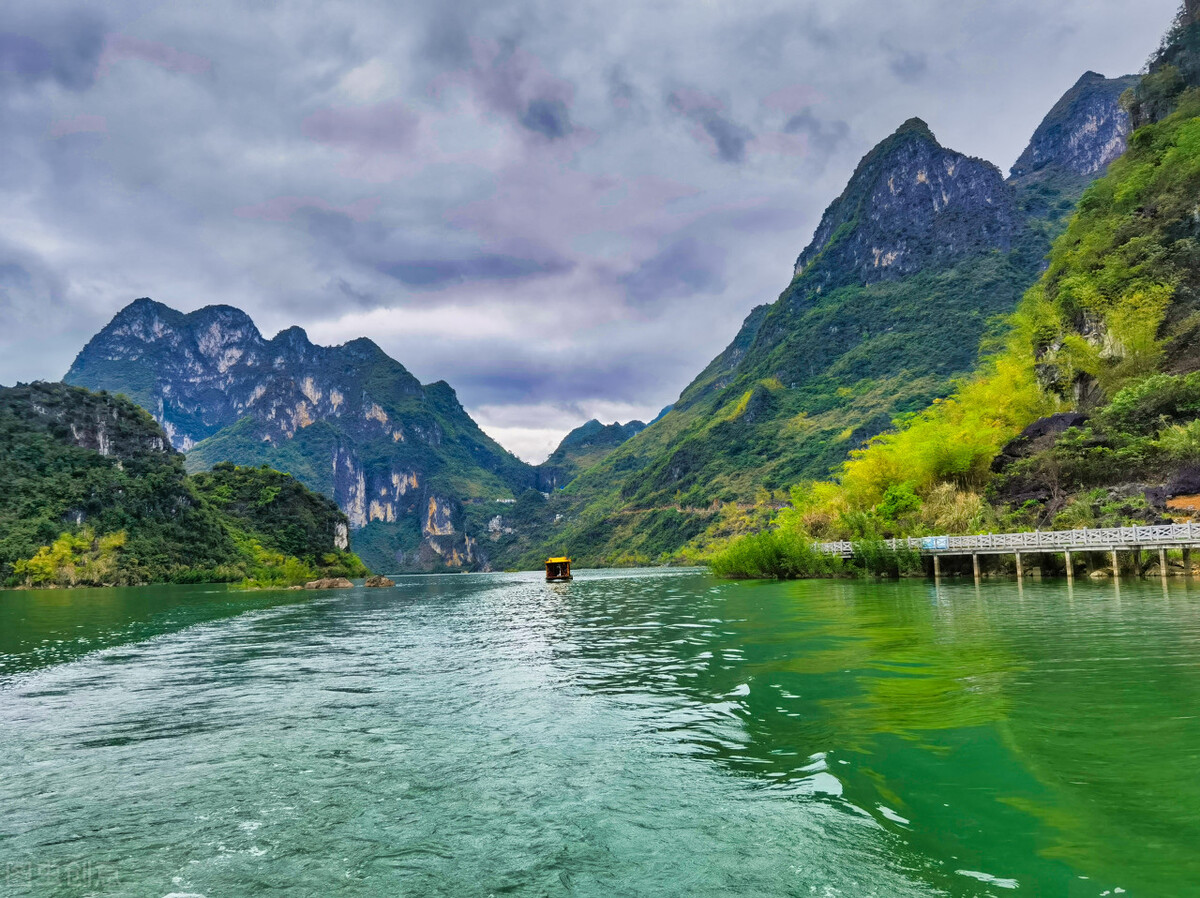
{"points": [[564, 209]]}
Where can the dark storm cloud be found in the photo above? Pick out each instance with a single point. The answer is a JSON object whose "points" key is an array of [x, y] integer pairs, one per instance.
{"points": [[547, 116], [439, 272], [823, 136], [446, 177], [64, 48]]}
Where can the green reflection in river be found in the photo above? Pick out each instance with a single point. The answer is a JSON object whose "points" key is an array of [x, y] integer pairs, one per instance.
{"points": [[51, 626], [1042, 733], [1045, 736]]}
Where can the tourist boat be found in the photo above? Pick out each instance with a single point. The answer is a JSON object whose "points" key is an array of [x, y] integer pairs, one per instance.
{"points": [[558, 569]]}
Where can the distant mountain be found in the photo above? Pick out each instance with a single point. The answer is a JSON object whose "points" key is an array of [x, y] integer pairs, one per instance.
{"points": [[95, 495], [1075, 143], [888, 304], [582, 448], [399, 458], [911, 205]]}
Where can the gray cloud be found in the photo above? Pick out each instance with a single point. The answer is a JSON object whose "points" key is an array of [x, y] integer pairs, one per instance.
{"points": [[63, 48], [439, 272], [823, 136], [908, 65], [384, 127], [547, 116], [449, 178], [684, 267], [728, 137]]}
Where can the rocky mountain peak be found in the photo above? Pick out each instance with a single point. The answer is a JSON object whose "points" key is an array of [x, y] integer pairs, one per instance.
{"points": [[910, 204], [584, 446], [292, 336], [400, 459], [364, 348], [915, 127], [142, 308], [1084, 131]]}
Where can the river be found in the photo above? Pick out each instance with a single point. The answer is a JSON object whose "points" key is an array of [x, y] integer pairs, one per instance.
{"points": [[632, 733]]}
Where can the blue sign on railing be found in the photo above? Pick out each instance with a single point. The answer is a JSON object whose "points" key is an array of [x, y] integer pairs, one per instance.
{"points": [[933, 543]]}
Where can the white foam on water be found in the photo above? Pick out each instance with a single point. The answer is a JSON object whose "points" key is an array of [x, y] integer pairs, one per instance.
{"points": [[990, 880], [896, 818], [825, 784]]}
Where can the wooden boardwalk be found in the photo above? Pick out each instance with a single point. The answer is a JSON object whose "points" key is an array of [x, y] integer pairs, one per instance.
{"points": [[1099, 539]]}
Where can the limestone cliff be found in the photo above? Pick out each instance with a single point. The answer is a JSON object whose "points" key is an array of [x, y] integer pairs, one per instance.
{"points": [[1085, 130], [400, 458], [912, 204]]}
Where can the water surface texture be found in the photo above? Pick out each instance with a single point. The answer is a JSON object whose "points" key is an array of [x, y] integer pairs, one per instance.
{"points": [[639, 733]]}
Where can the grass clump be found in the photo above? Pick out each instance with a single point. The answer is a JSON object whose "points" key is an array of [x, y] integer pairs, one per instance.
{"points": [[781, 554]]}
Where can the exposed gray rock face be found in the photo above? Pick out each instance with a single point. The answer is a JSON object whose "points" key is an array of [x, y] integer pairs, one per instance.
{"points": [[1085, 131], [201, 372], [1038, 436], [347, 421], [100, 423], [912, 204]]}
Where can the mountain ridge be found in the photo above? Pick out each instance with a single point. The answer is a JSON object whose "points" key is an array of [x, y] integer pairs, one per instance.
{"points": [[399, 458], [921, 250]]}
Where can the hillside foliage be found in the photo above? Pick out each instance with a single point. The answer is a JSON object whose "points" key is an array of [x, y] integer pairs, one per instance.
{"points": [[1109, 331], [94, 496]]}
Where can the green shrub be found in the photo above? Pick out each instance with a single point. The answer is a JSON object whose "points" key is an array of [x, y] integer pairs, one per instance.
{"points": [[875, 556], [783, 554], [1143, 407]]}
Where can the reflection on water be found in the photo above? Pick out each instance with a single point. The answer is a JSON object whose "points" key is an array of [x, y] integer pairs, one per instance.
{"points": [[627, 733]]}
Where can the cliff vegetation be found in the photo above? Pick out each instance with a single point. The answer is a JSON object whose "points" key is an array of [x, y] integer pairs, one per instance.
{"points": [[94, 495], [1087, 411]]}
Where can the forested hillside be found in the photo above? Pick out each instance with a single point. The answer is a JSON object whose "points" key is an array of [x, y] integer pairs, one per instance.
{"points": [[1106, 343], [94, 495], [915, 265]]}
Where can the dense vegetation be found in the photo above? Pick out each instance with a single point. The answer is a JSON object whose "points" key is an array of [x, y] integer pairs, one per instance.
{"points": [[273, 514], [585, 446], [1108, 332], [93, 495], [846, 350]]}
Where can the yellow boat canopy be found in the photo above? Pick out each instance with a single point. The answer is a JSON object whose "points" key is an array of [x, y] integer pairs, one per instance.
{"points": [[558, 568]]}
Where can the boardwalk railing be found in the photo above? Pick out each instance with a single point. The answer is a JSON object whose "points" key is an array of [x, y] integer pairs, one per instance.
{"points": [[1098, 539]]}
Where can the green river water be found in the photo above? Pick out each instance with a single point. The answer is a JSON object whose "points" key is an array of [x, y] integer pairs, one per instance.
{"points": [[632, 733]]}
